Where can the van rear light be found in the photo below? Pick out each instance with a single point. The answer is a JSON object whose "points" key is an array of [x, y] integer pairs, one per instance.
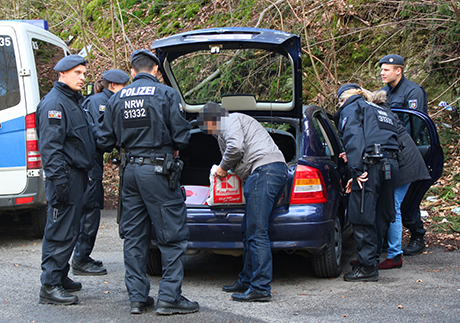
{"points": [[34, 159], [24, 200], [308, 186]]}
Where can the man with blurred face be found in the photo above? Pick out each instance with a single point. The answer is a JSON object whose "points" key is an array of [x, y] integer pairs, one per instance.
{"points": [[67, 147]]}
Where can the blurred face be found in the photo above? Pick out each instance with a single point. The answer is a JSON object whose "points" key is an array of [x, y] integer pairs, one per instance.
{"points": [[211, 126], [74, 78], [390, 74]]}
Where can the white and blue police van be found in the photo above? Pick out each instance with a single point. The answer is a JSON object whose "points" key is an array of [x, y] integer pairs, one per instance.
{"points": [[28, 53]]}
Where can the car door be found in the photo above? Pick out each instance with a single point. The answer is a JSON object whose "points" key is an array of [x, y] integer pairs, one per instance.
{"points": [[423, 131]]}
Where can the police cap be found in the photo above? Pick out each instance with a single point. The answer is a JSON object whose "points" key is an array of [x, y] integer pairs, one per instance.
{"points": [[115, 76], [69, 62], [346, 87], [392, 59], [139, 52]]}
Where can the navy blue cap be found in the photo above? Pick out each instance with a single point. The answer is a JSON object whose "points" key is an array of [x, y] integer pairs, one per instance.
{"points": [[115, 76], [69, 62], [346, 87], [137, 53], [392, 59]]}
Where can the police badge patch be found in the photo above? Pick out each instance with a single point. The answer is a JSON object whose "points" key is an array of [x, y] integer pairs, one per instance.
{"points": [[54, 117], [101, 108], [413, 104]]}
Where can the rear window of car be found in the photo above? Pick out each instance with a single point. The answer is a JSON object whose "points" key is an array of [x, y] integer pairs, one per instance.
{"points": [[46, 56], [9, 79], [203, 76]]}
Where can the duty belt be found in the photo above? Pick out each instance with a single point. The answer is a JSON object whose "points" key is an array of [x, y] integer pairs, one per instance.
{"points": [[391, 154], [142, 160]]}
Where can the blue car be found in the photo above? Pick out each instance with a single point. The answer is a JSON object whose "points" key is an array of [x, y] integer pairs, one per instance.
{"points": [[259, 72]]}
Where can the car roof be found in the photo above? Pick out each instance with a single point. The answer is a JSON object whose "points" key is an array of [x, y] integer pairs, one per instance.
{"points": [[169, 48]]}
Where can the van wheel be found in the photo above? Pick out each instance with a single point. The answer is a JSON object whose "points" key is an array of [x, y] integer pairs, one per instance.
{"points": [[154, 267], [38, 217], [328, 264]]}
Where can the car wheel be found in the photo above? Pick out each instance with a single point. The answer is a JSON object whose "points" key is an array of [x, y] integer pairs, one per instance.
{"points": [[154, 267], [38, 218], [328, 263]]}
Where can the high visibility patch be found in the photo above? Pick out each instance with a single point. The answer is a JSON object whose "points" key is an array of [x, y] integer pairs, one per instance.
{"points": [[54, 117], [413, 104], [101, 108]]}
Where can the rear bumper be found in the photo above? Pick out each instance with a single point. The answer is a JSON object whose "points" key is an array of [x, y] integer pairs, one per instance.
{"points": [[299, 228], [35, 190]]}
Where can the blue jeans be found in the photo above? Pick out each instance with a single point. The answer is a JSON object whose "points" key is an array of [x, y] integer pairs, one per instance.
{"points": [[394, 232], [262, 190]]}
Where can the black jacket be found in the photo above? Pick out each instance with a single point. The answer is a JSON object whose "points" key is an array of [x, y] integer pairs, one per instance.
{"points": [[64, 135], [362, 124], [407, 95], [142, 116]]}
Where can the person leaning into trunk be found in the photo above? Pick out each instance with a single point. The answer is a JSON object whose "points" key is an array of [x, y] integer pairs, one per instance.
{"points": [[82, 264], [369, 137], [249, 151], [403, 93], [146, 120]]}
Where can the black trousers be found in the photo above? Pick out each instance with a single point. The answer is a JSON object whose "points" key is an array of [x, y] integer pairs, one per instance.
{"points": [[147, 199], [61, 230], [371, 226]]}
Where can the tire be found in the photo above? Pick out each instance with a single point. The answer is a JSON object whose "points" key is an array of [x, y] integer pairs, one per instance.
{"points": [[328, 263], [154, 267], [38, 218]]}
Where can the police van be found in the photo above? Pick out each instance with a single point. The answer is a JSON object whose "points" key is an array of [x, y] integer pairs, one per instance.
{"points": [[28, 53]]}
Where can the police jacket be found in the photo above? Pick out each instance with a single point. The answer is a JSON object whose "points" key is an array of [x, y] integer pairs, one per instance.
{"points": [[412, 167], [246, 145], [64, 135], [407, 95], [95, 106], [362, 124], [144, 115]]}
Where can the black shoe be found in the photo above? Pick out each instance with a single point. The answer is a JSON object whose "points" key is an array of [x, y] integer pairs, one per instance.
{"points": [[87, 269], [69, 285], [56, 295], [139, 307], [362, 273], [415, 246], [96, 262], [235, 288], [251, 296], [183, 306]]}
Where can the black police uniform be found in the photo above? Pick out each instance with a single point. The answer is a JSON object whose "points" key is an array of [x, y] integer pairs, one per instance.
{"points": [[410, 95], [146, 119], [361, 125], [93, 200], [67, 148]]}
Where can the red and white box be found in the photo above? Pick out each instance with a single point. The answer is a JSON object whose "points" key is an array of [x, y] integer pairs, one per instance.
{"points": [[226, 191]]}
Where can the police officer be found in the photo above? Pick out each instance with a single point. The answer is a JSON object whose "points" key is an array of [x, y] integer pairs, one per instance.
{"points": [[67, 148], [403, 93], [369, 136], [82, 264], [146, 119]]}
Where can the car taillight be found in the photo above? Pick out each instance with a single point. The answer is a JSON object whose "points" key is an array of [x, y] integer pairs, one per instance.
{"points": [[34, 160], [308, 186]]}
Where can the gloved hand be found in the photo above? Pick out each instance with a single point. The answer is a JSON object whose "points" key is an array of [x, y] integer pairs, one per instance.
{"points": [[62, 193]]}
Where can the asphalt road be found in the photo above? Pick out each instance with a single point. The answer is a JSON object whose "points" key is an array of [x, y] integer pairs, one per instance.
{"points": [[426, 289]]}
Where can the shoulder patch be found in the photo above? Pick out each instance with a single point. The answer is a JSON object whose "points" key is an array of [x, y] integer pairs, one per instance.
{"points": [[101, 108], [54, 117], [181, 108], [344, 121], [413, 104]]}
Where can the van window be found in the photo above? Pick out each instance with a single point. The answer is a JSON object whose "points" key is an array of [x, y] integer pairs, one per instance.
{"points": [[46, 56], [9, 80]]}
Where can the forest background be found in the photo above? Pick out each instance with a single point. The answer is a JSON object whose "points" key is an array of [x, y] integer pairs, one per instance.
{"points": [[342, 42]]}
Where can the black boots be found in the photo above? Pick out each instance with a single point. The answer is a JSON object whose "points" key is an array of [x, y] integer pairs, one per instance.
{"points": [[87, 268], [415, 246], [362, 273], [56, 295]]}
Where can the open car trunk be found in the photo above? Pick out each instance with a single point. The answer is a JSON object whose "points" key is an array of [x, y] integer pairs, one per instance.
{"points": [[203, 152]]}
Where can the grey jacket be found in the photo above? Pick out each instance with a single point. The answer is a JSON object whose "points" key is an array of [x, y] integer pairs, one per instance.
{"points": [[246, 145]]}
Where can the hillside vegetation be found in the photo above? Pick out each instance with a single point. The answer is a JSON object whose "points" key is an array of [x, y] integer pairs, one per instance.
{"points": [[342, 42]]}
